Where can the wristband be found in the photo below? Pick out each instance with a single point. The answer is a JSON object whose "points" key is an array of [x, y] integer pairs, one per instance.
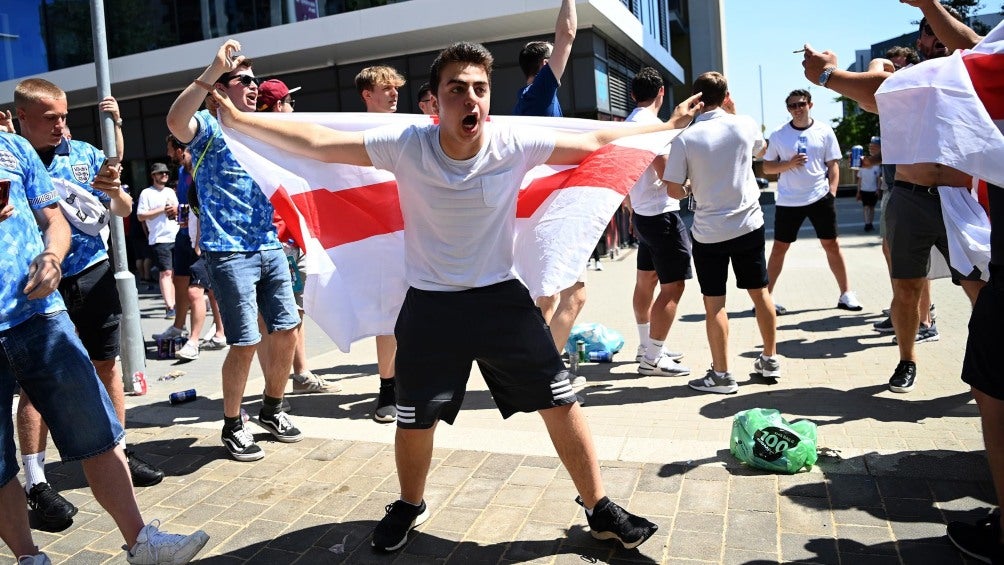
{"points": [[204, 85]]}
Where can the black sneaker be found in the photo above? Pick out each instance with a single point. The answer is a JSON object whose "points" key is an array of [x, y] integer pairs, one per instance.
{"points": [[54, 510], [610, 521], [392, 531], [143, 473], [240, 443], [386, 405], [280, 426], [885, 326], [981, 540], [903, 377]]}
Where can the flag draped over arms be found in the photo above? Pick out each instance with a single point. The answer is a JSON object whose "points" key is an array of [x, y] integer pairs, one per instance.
{"points": [[348, 219], [949, 111]]}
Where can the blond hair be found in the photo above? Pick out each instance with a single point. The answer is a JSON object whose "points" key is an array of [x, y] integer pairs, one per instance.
{"points": [[32, 90], [371, 77]]}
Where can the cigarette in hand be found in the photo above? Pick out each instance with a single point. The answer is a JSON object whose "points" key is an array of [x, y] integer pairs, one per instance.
{"points": [[802, 50]]}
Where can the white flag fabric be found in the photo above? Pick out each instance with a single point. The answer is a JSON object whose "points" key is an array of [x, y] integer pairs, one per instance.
{"points": [[949, 111], [349, 222]]}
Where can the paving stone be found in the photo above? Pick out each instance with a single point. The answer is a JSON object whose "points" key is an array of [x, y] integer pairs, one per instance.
{"points": [[751, 531], [704, 496], [808, 548]]}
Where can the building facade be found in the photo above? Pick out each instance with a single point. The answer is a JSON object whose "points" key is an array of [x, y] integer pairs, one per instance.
{"points": [[156, 48]]}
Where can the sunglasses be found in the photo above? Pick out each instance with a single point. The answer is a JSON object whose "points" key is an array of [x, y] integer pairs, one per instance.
{"points": [[246, 80], [793, 105], [289, 102]]}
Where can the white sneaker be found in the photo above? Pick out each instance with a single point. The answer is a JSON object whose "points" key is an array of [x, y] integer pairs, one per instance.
{"points": [[664, 366], [578, 382], [214, 343], [171, 332], [189, 351], [640, 354], [154, 547], [307, 382], [713, 383], [849, 301], [40, 559]]}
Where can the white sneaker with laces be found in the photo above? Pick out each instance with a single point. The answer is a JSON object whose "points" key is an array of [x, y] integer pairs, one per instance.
{"points": [[664, 366], [307, 382], [189, 351], [640, 354], [171, 332], [39, 559], [154, 547], [214, 343], [849, 301]]}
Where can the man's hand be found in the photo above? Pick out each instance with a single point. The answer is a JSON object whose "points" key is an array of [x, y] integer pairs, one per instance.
{"points": [[814, 62], [110, 105], [6, 212], [171, 211], [729, 105], [227, 58], [43, 276], [918, 3], [109, 180], [686, 111], [225, 110], [798, 160], [6, 121]]}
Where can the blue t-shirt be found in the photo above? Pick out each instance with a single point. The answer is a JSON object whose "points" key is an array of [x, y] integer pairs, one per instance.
{"points": [[20, 239], [77, 162], [234, 213], [540, 97]]}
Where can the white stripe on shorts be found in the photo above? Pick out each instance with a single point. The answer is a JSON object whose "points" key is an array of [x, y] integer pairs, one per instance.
{"points": [[561, 390], [405, 414]]}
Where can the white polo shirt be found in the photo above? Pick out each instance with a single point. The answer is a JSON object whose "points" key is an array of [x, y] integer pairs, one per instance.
{"points": [[802, 186], [161, 228], [716, 154], [648, 195]]}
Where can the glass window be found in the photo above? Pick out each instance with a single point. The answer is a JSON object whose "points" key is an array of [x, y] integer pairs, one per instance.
{"points": [[22, 47]]}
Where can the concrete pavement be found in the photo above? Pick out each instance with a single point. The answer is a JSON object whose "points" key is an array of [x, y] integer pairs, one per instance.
{"points": [[893, 468]]}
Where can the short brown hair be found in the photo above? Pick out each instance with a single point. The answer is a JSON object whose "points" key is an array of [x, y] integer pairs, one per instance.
{"points": [[462, 52], [371, 77], [532, 56], [225, 77], [799, 93], [32, 90], [713, 88]]}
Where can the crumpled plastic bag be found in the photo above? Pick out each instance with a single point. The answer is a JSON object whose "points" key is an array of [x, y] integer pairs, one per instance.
{"points": [[762, 438], [597, 337]]}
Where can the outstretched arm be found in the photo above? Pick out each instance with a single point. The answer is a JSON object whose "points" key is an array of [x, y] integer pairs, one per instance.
{"points": [[571, 149], [859, 87], [950, 31], [564, 34], [181, 116], [306, 139]]}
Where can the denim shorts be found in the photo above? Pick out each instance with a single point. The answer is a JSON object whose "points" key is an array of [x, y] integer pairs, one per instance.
{"points": [[44, 356], [247, 282]]}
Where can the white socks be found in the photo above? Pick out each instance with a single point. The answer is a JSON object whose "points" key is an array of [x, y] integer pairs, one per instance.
{"points": [[643, 334], [653, 350], [34, 469]]}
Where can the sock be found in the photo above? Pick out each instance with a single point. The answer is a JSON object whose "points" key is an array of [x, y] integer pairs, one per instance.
{"points": [[122, 444], [643, 334], [589, 511], [231, 423], [717, 374], [767, 357], [270, 404], [387, 383], [34, 469], [653, 350]]}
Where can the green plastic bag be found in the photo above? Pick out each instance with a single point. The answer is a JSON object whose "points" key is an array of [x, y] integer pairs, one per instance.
{"points": [[763, 439]]}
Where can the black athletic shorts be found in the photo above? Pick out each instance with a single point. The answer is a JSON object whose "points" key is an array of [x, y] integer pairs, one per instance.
{"points": [[746, 254], [440, 334], [981, 367], [184, 254], [869, 199], [665, 242], [163, 256], [92, 301], [822, 213]]}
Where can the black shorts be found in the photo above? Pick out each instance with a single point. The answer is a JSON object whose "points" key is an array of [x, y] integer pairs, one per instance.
{"points": [[869, 199], [184, 255], [981, 368], [822, 213], [664, 246], [440, 334], [748, 263], [163, 256], [92, 301]]}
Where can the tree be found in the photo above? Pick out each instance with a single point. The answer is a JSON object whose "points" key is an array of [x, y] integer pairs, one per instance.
{"points": [[968, 9], [856, 127]]}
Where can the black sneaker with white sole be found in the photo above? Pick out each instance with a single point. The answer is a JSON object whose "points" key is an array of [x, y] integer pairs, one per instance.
{"points": [[240, 443], [903, 377], [981, 540], [279, 425], [392, 531], [609, 521]]}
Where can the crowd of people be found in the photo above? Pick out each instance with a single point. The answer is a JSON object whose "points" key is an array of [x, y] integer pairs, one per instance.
{"points": [[218, 243]]}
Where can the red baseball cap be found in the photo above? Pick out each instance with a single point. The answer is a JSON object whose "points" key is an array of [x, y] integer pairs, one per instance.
{"points": [[272, 91]]}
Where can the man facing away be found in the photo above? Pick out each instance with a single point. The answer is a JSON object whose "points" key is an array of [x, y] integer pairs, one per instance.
{"points": [[377, 87], [728, 224], [39, 349], [158, 207], [249, 271], [664, 245], [461, 278], [806, 155], [543, 64], [88, 283]]}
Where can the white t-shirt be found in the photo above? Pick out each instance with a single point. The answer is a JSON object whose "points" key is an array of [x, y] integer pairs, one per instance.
{"points": [[160, 228], [870, 178], [459, 216], [716, 153], [648, 195], [802, 186]]}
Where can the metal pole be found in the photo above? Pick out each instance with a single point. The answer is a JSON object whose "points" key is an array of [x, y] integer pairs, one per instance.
{"points": [[763, 122], [133, 347]]}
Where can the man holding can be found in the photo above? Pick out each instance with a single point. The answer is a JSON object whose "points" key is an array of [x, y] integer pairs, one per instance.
{"points": [[806, 156]]}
